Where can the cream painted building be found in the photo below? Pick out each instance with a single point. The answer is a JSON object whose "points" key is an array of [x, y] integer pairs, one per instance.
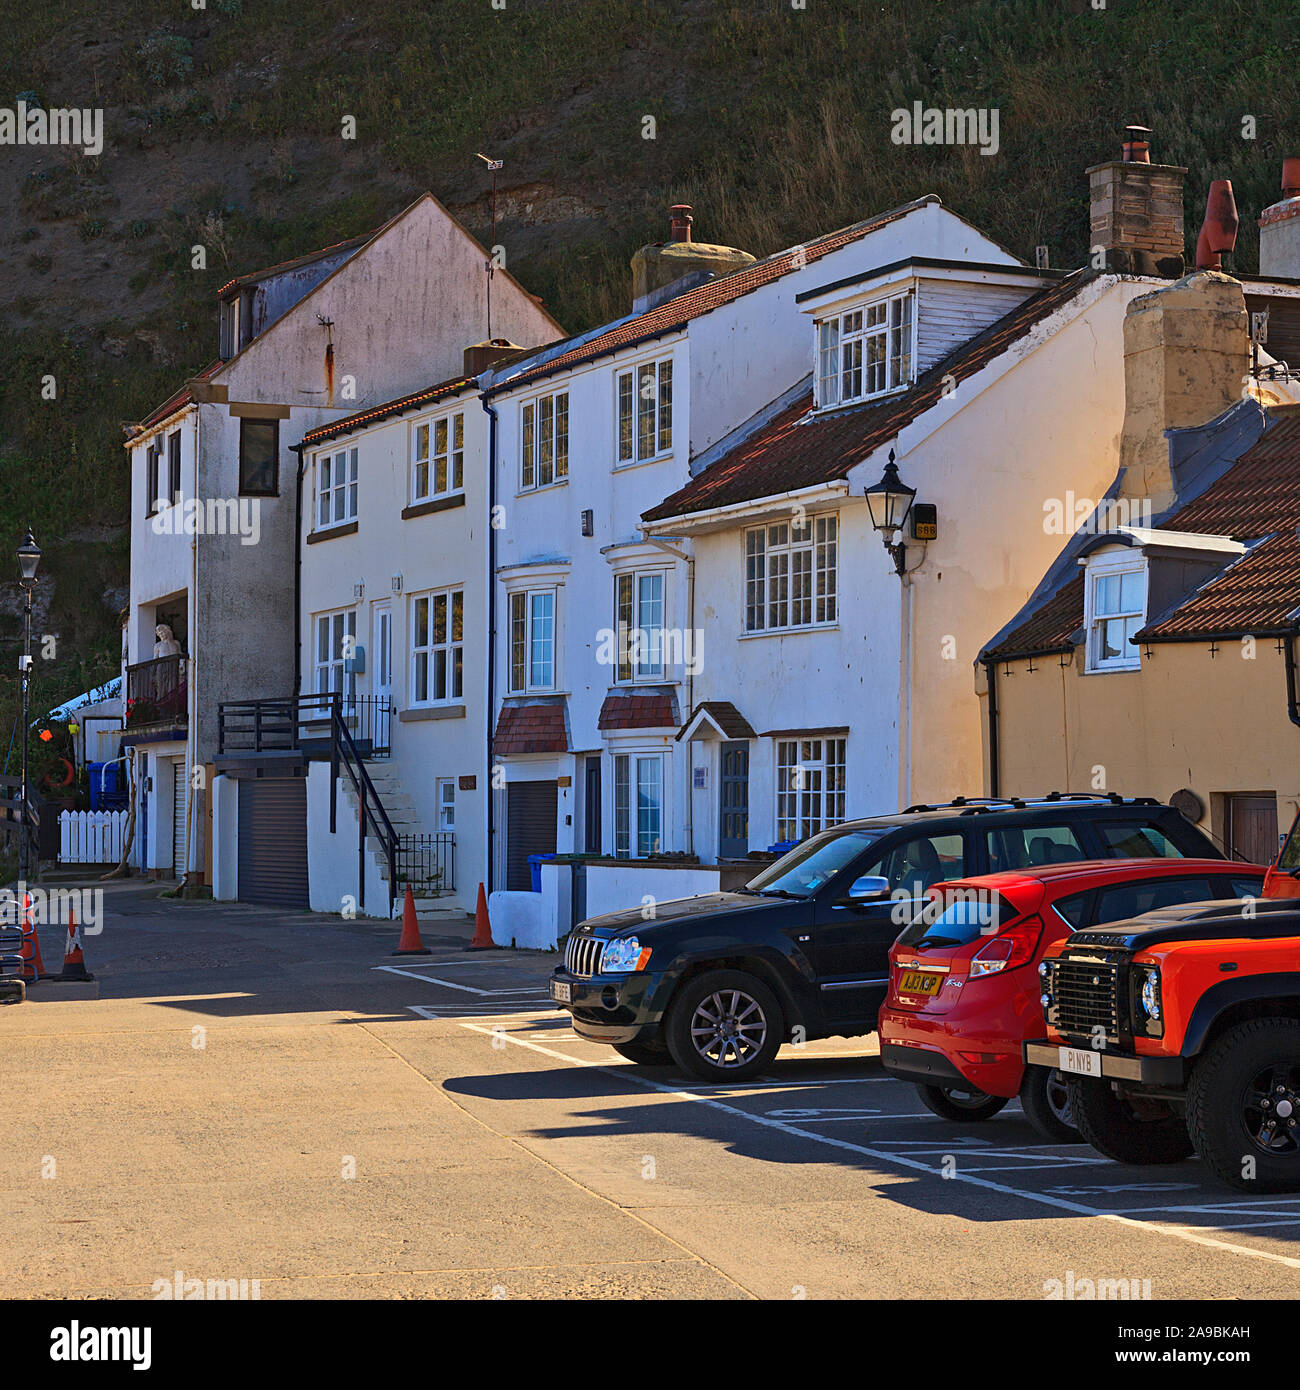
{"points": [[1158, 659]]}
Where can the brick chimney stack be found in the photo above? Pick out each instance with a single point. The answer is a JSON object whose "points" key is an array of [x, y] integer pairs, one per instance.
{"points": [[1136, 210]]}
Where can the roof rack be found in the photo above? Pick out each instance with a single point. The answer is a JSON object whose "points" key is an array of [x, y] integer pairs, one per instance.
{"points": [[971, 805], [974, 803]]}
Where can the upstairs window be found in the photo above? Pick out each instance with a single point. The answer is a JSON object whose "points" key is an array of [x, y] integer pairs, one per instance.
{"points": [[336, 645], [437, 650], [438, 458], [639, 623], [174, 467], [152, 483], [544, 441], [1116, 603], [336, 488], [532, 640], [645, 411], [865, 352], [791, 575], [259, 457]]}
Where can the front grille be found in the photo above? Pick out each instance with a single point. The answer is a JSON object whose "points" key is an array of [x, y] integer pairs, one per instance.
{"points": [[1084, 997], [582, 955]]}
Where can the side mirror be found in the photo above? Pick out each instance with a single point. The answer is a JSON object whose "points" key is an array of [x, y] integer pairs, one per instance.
{"points": [[870, 888]]}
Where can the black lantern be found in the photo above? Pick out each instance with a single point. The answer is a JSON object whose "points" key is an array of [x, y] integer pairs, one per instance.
{"points": [[889, 503], [29, 557]]}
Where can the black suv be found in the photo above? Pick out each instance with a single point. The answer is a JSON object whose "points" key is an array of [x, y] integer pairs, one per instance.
{"points": [[720, 981]]}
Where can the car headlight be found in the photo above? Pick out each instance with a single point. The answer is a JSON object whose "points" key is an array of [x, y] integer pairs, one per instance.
{"points": [[1151, 995], [624, 956]]}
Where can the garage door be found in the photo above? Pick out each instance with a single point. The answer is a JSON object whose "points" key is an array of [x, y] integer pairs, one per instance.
{"points": [[530, 828], [273, 841], [179, 780]]}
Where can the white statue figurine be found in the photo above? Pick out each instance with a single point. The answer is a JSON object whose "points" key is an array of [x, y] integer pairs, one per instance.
{"points": [[166, 645]]}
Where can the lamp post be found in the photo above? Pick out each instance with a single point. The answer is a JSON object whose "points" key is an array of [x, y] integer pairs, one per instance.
{"points": [[889, 503], [29, 557]]}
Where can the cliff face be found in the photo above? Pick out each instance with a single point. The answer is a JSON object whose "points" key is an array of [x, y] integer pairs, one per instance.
{"points": [[257, 130]]}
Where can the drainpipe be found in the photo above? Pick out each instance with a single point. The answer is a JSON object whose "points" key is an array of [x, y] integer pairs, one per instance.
{"points": [[490, 855], [1288, 651], [297, 572], [995, 775], [906, 611], [660, 543]]}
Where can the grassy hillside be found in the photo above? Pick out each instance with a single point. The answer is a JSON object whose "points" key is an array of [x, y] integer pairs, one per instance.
{"points": [[223, 127]]}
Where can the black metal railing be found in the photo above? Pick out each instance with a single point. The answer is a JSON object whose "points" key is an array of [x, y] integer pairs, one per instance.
{"points": [[294, 722], [157, 692], [427, 863], [372, 819]]}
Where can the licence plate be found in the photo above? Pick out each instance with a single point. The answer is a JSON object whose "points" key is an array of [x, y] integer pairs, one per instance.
{"points": [[561, 992], [920, 982], [1083, 1061]]}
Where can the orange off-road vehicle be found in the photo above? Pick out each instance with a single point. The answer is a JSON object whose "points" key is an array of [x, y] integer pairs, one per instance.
{"points": [[1179, 1031]]}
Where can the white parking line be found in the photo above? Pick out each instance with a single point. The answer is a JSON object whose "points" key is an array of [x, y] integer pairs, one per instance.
{"points": [[531, 990], [471, 1010], [1184, 1233]]}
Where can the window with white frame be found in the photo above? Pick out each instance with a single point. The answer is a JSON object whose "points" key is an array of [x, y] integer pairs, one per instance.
{"points": [[336, 639], [1116, 603], [532, 640], [336, 488], [809, 786], [447, 804], [638, 804], [544, 441], [639, 624], [865, 352], [645, 411], [437, 647], [791, 574], [438, 457]]}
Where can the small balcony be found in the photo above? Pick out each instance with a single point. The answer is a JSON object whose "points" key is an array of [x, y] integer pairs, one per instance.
{"points": [[157, 694]]}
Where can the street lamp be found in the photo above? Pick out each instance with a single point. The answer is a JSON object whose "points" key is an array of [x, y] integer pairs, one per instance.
{"points": [[29, 557], [889, 503]]}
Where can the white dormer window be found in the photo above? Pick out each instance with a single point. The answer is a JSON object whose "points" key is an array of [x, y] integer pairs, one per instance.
{"points": [[865, 352], [1116, 605]]}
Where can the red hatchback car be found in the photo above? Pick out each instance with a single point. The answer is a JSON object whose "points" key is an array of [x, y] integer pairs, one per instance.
{"points": [[963, 987]]}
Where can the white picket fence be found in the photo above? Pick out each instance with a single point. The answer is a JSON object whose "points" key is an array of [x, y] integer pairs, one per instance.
{"points": [[91, 837]]}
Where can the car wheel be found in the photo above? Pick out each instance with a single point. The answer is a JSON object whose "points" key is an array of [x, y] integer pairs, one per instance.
{"points": [[963, 1103], [1127, 1130], [643, 1054], [1243, 1106], [1045, 1099], [724, 1025]]}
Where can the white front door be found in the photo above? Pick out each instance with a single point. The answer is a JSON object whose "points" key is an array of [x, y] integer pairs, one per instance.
{"points": [[381, 679]]}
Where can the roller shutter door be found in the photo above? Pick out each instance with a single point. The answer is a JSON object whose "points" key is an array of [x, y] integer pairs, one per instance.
{"points": [[273, 841], [530, 828], [179, 791]]}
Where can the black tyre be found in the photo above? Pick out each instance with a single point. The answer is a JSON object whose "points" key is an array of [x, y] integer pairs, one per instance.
{"points": [[1045, 1099], [1127, 1130], [962, 1103], [724, 1025], [643, 1054], [1243, 1106]]}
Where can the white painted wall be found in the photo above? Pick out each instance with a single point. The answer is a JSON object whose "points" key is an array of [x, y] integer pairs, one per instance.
{"points": [[333, 883], [442, 550]]}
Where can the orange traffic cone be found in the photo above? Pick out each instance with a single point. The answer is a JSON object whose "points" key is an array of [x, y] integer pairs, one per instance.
{"points": [[410, 944], [30, 950], [482, 927], [74, 963]]}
